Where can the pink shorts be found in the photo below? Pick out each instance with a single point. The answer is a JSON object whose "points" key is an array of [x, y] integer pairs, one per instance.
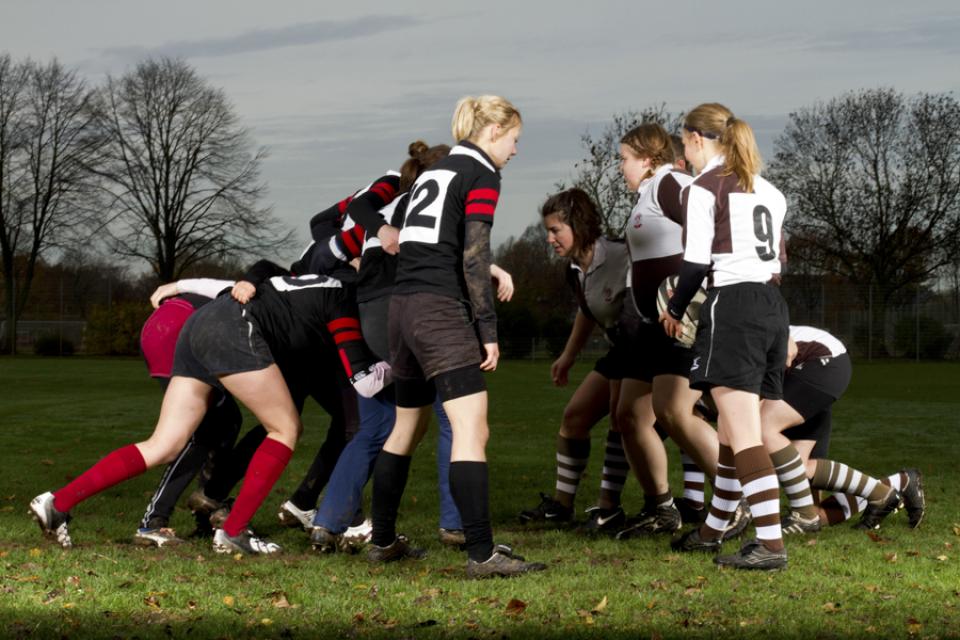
{"points": [[158, 338]]}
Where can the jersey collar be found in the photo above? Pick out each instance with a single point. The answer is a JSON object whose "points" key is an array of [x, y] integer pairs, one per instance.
{"points": [[467, 148]]}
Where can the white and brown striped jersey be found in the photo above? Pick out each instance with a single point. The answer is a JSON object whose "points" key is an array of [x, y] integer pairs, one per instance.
{"points": [[738, 234], [814, 344], [654, 237], [601, 288]]}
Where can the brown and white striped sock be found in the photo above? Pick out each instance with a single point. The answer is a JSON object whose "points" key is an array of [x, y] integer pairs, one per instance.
{"points": [[760, 488], [572, 457], [693, 481], [792, 475], [615, 470], [839, 478], [726, 496], [840, 507]]}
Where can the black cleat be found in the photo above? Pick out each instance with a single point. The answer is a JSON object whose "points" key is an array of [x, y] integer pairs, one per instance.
{"points": [[874, 514], [399, 549], [52, 523], [663, 519], [754, 555], [690, 514], [603, 521], [504, 563], [913, 499], [739, 523], [549, 510], [246, 543], [323, 540], [691, 541]]}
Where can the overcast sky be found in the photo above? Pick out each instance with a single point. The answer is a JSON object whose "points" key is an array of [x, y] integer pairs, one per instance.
{"points": [[335, 91]]}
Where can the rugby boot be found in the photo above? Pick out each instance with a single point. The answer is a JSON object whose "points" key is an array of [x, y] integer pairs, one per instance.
{"points": [[549, 510], [662, 519], [913, 499], [452, 537], [290, 515], [503, 563], [603, 521], [874, 514], [399, 549], [797, 524], [52, 523], [246, 543], [754, 555], [691, 541], [323, 540]]}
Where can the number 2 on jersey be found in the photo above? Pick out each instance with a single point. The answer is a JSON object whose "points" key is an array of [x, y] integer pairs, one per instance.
{"points": [[763, 230], [423, 218]]}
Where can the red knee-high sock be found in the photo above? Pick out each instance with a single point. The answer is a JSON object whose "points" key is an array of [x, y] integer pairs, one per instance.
{"points": [[117, 466], [268, 462]]}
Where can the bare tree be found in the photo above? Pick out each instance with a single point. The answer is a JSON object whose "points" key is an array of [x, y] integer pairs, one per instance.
{"points": [[599, 172], [48, 143], [184, 182], [873, 179]]}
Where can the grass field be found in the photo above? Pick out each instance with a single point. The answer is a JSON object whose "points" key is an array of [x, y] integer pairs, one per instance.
{"points": [[59, 416]]}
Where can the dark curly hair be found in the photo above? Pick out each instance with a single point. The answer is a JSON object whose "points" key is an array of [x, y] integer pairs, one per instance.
{"points": [[575, 208], [421, 157]]}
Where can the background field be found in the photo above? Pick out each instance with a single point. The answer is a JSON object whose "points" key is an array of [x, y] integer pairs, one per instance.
{"points": [[59, 416]]}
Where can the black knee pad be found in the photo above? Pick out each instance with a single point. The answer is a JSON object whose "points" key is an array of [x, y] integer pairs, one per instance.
{"points": [[413, 393], [460, 382]]}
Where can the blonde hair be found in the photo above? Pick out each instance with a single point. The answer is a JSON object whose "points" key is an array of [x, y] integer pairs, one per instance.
{"points": [[474, 113], [652, 141], [741, 155]]}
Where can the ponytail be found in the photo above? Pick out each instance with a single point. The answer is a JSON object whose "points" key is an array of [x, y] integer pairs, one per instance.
{"points": [[735, 137], [472, 114]]}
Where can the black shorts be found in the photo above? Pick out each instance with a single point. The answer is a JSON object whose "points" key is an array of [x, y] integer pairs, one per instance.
{"points": [[652, 353], [814, 385], [742, 340], [614, 364], [218, 340], [431, 334], [374, 324], [817, 428]]}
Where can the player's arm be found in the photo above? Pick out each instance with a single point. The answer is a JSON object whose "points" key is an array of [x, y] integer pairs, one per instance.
{"points": [[698, 231], [365, 212], [579, 334], [206, 287], [669, 198]]}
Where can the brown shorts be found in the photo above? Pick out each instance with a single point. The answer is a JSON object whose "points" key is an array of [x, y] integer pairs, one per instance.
{"points": [[431, 334]]}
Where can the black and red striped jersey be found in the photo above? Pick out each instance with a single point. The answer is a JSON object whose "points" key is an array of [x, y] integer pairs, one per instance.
{"points": [[304, 315], [378, 269], [464, 186]]}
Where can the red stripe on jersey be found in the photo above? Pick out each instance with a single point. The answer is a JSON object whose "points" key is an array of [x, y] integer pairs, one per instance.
{"points": [[480, 208], [384, 190], [484, 194], [343, 323], [346, 363], [347, 336], [350, 243], [343, 204]]}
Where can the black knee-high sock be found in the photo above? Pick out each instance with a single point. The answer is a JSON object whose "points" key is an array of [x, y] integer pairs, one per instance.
{"points": [[469, 487], [389, 480]]}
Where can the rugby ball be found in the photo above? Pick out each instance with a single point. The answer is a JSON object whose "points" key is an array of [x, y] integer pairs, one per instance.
{"points": [[690, 316]]}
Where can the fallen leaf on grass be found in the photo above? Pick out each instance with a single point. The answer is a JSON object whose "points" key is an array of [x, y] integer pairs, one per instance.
{"points": [[956, 529], [601, 606], [3, 554], [872, 588], [890, 557], [831, 607], [279, 600], [942, 558], [52, 595], [913, 626], [692, 591], [35, 553], [876, 537], [191, 605], [586, 616], [812, 542], [515, 607], [152, 601], [358, 618], [427, 596], [73, 581], [229, 600], [658, 585]]}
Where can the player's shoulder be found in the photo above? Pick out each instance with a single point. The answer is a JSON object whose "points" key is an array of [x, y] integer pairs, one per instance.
{"points": [[766, 189]]}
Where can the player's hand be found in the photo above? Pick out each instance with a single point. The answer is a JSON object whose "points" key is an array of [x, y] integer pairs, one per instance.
{"points": [[493, 355], [389, 237], [504, 283], [243, 292], [560, 369], [355, 263], [672, 326], [163, 292]]}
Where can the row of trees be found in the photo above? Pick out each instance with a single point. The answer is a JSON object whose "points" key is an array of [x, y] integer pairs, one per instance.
{"points": [[153, 165], [873, 183]]}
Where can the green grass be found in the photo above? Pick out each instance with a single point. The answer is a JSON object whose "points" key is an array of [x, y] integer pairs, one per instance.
{"points": [[59, 416]]}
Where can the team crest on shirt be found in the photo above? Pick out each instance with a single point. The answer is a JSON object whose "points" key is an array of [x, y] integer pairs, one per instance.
{"points": [[637, 221]]}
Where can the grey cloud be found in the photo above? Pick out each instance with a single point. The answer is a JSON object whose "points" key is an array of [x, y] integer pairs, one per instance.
{"points": [[263, 39], [929, 34]]}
